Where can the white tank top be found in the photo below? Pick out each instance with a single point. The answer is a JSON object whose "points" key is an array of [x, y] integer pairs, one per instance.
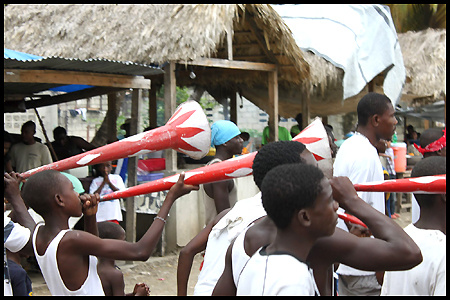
{"points": [[49, 268], [238, 255]]}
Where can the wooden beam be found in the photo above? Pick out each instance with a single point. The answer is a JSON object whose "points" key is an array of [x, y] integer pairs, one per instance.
{"points": [[230, 64], [47, 100], [132, 168], [233, 108], [170, 99], [273, 106], [72, 77]]}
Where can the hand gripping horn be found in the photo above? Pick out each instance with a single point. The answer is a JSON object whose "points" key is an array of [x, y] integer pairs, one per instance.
{"points": [[187, 131]]}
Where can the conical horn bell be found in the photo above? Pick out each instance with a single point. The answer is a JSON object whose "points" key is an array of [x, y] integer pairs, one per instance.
{"points": [[192, 129], [315, 138], [186, 131]]}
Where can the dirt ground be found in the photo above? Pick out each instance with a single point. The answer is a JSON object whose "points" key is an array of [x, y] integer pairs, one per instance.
{"points": [[160, 273]]}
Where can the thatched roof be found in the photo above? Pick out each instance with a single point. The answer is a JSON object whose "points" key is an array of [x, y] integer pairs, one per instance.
{"points": [[152, 33], [424, 56]]}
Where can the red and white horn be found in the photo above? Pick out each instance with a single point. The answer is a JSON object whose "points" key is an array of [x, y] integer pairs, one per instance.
{"points": [[187, 131], [419, 185], [314, 139]]}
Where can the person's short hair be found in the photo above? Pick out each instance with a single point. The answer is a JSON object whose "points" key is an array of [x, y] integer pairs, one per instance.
{"points": [[430, 166], [430, 135], [371, 104], [275, 154], [40, 188], [288, 188], [110, 230], [58, 131], [29, 123]]}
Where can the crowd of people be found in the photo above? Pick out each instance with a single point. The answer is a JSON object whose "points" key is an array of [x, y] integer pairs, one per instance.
{"points": [[287, 239]]}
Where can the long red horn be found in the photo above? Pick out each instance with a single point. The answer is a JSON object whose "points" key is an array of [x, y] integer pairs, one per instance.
{"points": [[419, 185], [187, 131], [236, 167]]}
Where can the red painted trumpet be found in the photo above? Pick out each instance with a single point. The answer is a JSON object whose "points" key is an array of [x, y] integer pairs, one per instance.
{"points": [[351, 219], [187, 131], [314, 137], [421, 185]]}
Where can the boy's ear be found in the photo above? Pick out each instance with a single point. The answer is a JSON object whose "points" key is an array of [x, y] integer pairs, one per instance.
{"points": [[59, 201], [304, 218]]}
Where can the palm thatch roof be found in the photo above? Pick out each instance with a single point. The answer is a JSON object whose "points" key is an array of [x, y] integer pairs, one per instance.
{"points": [[424, 55], [155, 34], [152, 33]]}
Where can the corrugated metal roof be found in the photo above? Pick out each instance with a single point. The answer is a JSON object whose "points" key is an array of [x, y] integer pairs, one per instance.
{"points": [[88, 65]]}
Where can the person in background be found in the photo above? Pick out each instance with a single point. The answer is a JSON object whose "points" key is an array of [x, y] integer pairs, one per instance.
{"points": [[7, 142], [217, 196], [297, 128], [110, 274], [429, 233], [358, 160], [247, 143], [106, 183], [434, 143], [29, 154], [412, 136], [16, 238], [283, 135], [66, 146], [331, 140]]}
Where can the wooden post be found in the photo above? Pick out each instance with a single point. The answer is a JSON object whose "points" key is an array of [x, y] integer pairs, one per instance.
{"points": [[273, 106], [305, 109], [112, 112], [229, 45], [132, 169], [170, 99], [152, 115], [233, 108]]}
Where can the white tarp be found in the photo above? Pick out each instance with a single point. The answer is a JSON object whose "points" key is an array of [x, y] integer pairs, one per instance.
{"points": [[360, 39]]}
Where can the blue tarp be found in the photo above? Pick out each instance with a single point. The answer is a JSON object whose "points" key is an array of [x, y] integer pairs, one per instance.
{"points": [[17, 55]]}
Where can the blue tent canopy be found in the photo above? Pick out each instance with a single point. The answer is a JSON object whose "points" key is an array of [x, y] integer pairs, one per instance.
{"points": [[17, 55]]}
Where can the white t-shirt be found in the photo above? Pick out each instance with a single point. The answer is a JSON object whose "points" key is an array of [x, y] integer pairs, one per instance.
{"points": [[16, 235], [276, 274], [108, 210], [358, 159], [427, 278], [27, 157], [229, 226]]}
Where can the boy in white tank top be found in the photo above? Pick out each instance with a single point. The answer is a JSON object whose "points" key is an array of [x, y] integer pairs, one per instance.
{"points": [[72, 270]]}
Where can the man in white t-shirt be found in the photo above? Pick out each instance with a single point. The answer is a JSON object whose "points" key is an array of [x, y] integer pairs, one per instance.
{"points": [[29, 154], [429, 233], [298, 199], [357, 158]]}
